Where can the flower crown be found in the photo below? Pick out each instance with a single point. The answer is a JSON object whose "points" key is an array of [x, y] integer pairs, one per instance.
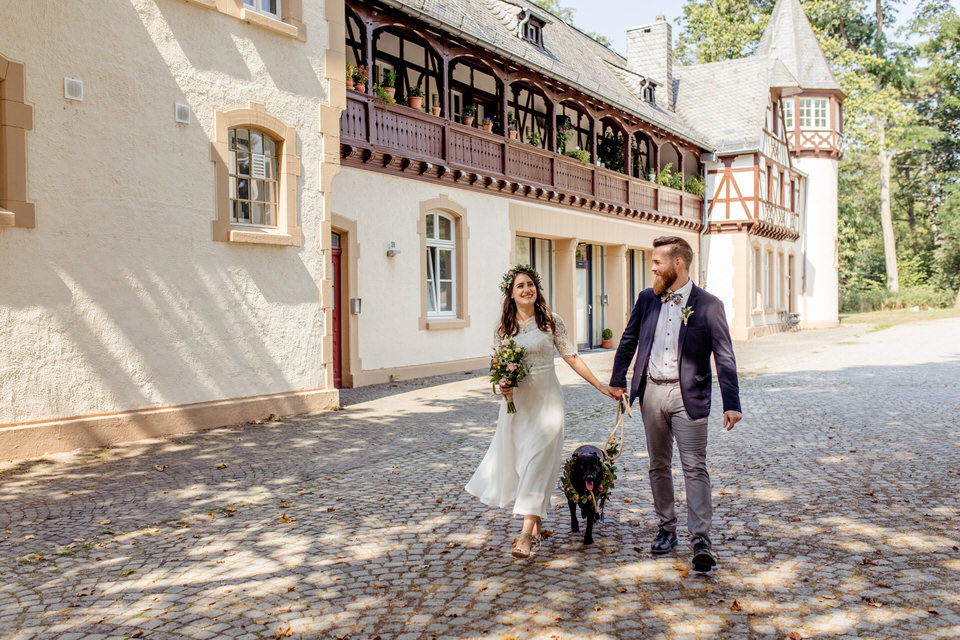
{"points": [[512, 273]]}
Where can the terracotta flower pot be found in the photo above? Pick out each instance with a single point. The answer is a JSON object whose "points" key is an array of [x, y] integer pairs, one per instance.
{"points": [[435, 111], [513, 134], [468, 120], [487, 126], [359, 86], [606, 344], [415, 102], [390, 91]]}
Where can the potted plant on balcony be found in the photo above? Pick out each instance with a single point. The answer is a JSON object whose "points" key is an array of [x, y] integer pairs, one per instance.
{"points": [[389, 83], [579, 154], [694, 185], [415, 98], [564, 126], [384, 96], [534, 139], [607, 336], [359, 76], [435, 110], [487, 124], [467, 115], [512, 131]]}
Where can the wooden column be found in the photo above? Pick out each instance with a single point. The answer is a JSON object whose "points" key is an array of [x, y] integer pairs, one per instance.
{"points": [[593, 141], [627, 155], [552, 123], [369, 26], [445, 88]]}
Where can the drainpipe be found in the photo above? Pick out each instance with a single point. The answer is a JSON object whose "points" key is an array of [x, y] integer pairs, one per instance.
{"points": [[707, 157]]}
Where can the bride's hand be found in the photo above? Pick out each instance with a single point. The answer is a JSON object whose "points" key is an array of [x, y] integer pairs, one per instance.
{"points": [[605, 390], [504, 388]]}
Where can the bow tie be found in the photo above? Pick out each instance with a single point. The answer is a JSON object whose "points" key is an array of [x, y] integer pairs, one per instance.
{"points": [[674, 297]]}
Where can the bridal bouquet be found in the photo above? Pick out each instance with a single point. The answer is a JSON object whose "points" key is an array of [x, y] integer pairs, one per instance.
{"points": [[507, 367]]}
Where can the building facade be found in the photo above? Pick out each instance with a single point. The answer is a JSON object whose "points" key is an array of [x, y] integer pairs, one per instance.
{"points": [[219, 224], [165, 216]]}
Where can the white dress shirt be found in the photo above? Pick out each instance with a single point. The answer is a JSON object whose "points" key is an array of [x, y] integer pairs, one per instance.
{"points": [[664, 355]]}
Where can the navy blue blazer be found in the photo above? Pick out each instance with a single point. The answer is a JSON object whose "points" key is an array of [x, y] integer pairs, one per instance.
{"points": [[706, 332]]}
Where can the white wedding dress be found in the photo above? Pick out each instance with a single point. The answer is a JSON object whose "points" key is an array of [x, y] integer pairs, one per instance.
{"points": [[522, 465]]}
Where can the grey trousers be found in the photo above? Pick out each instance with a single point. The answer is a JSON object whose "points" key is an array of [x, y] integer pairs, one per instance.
{"points": [[665, 420]]}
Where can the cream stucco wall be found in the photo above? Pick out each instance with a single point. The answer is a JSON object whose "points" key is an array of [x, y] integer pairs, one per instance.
{"points": [[385, 209], [119, 299], [821, 298]]}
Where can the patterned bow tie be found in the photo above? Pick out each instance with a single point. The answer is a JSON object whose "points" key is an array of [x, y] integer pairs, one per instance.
{"points": [[673, 297]]}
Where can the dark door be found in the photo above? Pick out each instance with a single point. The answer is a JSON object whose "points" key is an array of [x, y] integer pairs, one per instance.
{"points": [[335, 259]]}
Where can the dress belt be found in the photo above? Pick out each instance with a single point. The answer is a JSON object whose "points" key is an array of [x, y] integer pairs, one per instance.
{"points": [[663, 380]]}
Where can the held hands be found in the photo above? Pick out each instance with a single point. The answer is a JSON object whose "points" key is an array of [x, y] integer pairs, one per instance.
{"points": [[731, 418], [617, 393], [607, 391]]}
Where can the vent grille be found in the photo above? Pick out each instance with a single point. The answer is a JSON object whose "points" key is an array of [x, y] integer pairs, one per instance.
{"points": [[73, 89], [182, 113]]}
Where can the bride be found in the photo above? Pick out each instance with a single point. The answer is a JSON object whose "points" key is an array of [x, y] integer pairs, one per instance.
{"points": [[523, 462]]}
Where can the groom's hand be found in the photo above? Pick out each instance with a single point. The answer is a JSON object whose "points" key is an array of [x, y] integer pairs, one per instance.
{"points": [[617, 393], [730, 418]]}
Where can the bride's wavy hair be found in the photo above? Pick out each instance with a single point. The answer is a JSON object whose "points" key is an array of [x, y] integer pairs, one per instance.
{"points": [[508, 318]]}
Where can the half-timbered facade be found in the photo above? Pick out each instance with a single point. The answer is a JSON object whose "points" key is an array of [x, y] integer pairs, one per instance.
{"points": [[535, 143]]}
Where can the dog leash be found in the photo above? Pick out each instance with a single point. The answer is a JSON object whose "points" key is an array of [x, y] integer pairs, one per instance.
{"points": [[623, 410]]}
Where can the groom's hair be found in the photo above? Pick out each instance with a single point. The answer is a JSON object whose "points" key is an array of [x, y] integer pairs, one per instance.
{"points": [[679, 248]]}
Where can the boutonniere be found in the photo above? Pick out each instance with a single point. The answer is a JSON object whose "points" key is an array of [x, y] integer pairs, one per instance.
{"points": [[685, 314]]}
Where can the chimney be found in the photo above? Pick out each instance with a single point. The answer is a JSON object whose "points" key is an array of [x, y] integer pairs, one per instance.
{"points": [[650, 53]]}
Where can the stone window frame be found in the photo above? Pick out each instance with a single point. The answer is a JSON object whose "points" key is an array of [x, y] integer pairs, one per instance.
{"points": [[443, 204], [16, 118], [286, 232], [290, 23]]}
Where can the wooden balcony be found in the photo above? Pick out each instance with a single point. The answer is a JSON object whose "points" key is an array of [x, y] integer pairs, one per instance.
{"points": [[404, 141]]}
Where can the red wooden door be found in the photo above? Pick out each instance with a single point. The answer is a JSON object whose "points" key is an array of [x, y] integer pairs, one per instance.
{"points": [[336, 253]]}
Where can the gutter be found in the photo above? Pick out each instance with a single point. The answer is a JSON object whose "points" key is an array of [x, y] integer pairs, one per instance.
{"points": [[484, 44]]}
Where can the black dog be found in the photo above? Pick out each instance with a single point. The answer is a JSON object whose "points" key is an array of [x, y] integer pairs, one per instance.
{"points": [[586, 477]]}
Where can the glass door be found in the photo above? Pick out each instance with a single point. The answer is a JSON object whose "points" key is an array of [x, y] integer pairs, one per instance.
{"points": [[584, 302]]}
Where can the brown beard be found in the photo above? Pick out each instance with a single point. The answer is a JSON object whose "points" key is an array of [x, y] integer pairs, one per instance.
{"points": [[664, 281]]}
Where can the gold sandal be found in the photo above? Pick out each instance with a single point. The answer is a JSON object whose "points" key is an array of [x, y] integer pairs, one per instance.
{"points": [[519, 552]]}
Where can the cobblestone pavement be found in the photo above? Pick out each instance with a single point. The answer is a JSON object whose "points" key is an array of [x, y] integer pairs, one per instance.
{"points": [[836, 516]]}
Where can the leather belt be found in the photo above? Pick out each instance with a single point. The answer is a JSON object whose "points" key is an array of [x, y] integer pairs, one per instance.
{"points": [[663, 380]]}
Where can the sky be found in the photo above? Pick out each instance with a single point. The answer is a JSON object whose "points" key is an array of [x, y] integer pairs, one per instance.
{"points": [[612, 18]]}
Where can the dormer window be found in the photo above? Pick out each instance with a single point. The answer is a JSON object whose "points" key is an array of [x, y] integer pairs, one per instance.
{"points": [[649, 93], [531, 30]]}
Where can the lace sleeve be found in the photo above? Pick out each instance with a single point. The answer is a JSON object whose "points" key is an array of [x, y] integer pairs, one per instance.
{"points": [[561, 340]]}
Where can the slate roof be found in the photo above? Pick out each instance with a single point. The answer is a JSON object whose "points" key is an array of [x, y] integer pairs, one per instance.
{"points": [[790, 38], [570, 55], [727, 100], [718, 106]]}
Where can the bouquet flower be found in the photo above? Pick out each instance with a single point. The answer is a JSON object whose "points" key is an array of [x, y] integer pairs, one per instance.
{"points": [[507, 367]]}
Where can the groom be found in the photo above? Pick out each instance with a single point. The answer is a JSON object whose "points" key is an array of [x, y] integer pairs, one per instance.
{"points": [[673, 329]]}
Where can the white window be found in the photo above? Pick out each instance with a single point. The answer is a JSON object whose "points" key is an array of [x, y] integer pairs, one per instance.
{"points": [[787, 106], [441, 266], [266, 7], [813, 113], [254, 171]]}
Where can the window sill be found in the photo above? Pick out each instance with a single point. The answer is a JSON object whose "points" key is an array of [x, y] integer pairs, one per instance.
{"points": [[440, 324], [249, 236], [7, 218], [206, 4], [268, 23]]}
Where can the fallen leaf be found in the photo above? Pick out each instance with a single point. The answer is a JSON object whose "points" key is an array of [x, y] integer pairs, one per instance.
{"points": [[736, 606], [379, 585], [329, 509], [627, 500], [104, 521], [285, 609], [483, 588], [546, 533], [597, 608], [159, 467], [885, 585], [222, 465], [136, 634], [621, 589], [282, 633], [933, 611], [796, 635], [127, 572], [284, 518]]}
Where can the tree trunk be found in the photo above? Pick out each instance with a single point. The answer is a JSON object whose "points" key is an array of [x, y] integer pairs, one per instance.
{"points": [[886, 220]]}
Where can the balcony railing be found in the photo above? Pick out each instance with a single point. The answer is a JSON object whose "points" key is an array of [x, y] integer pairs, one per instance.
{"points": [[779, 216], [367, 123]]}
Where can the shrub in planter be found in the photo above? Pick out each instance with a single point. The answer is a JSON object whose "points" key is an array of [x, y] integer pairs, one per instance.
{"points": [[467, 115], [415, 98], [579, 154], [694, 185], [534, 139]]}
